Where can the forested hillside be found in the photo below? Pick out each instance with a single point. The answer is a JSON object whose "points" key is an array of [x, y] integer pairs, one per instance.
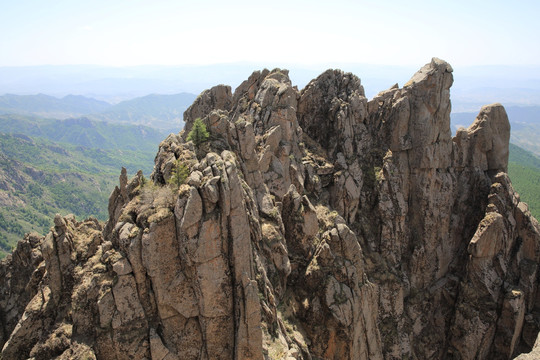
{"points": [[84, 132], [524, 170], [39, 178]]}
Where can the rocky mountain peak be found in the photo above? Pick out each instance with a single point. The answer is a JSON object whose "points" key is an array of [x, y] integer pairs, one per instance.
{"points": [[311, 224]]}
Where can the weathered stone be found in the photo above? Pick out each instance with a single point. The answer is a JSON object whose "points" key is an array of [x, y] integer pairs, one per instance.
{"points": [[313, 224], [122, 267], [218, 97], [193, 210], [106, 309], [127, 303], [492, 132]]}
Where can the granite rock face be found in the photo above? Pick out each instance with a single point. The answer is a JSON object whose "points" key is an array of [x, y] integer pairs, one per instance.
{"points": [[313, 224]]}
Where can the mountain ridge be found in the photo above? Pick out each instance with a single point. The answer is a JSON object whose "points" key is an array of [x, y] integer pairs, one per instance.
{"points": [[312, 224], [161, 111], [42, 104], [84, 132], [39, 178]]}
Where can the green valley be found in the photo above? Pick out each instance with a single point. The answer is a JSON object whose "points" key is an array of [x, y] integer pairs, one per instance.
{"points": [[85, 132], [39, 178], [50, 165], [524, 171]]}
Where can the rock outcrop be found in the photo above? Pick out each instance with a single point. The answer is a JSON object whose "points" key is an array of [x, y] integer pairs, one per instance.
{"points": [[313, 224]]}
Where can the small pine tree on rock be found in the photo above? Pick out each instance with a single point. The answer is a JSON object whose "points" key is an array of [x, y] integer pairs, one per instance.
{"points": [[198, 133], [179, 174]]}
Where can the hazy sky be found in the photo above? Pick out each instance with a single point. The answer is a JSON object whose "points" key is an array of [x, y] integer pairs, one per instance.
{"points": [[163, 32]]}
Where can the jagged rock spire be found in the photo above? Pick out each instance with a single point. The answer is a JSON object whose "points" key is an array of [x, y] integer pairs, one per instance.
{"points": [[313, 224]]}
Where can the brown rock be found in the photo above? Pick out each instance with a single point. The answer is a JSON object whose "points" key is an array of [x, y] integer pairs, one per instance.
{"points": [[313, 224], [218, 97]]}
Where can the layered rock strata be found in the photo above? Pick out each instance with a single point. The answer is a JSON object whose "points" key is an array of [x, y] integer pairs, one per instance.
{"points": [[313, 224]]}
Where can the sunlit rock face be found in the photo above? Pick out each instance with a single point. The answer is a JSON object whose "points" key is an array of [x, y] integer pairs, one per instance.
{"points": [[312, 224]]}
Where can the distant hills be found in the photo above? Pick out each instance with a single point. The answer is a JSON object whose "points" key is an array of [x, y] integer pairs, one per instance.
{"points": [[524, 171], [64, 155], [158, 111], [50, 166], [473, 85], [85, 132], [39, 178], [49, 106]]}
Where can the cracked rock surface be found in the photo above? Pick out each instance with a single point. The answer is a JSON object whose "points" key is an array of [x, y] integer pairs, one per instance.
{"points": [[313, 224]]}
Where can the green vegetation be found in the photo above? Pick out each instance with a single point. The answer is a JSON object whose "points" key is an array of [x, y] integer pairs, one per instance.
{"points": [[179, 174], [371, 175], [524, 171], [198, 133], [48, 155], [39, 178], [526, 136], [521, 156], [50, 166], [85, 132]]}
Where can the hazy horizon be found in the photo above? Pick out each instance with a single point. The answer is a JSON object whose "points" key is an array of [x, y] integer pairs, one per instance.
{"points": [[167, 32], [136, 47], [473, 85]]}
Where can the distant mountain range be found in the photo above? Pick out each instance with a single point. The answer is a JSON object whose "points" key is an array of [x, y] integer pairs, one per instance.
{"points": [[63, 155], [49, 106], [85, 132], [157, 111], [473, 86]]}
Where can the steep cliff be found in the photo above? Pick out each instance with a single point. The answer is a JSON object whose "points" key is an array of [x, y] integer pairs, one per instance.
{"points": [[312, 224]]}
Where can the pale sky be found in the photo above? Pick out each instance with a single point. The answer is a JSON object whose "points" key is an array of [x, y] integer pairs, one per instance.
{"points": [[166, 32]]}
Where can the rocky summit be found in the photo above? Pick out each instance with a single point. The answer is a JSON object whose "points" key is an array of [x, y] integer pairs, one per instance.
{"points": [[312, 224]]}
